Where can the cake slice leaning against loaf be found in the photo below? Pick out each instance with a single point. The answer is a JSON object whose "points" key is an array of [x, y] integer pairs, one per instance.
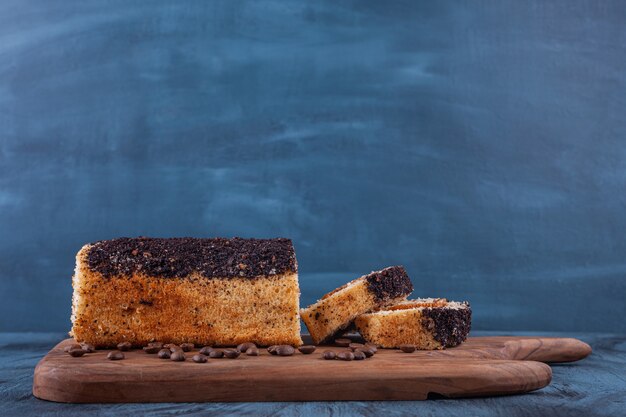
{"points": [[427, 323], [337, 310], [204, 291]]}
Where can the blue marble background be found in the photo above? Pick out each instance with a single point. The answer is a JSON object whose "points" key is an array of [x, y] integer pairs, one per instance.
{"points": [[480, 144]]}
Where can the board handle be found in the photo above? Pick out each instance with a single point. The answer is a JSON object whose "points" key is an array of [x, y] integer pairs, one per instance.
{"points": [[547, 349]]}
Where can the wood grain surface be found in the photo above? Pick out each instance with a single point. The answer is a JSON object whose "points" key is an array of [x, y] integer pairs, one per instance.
{"points": [[483, 366]]}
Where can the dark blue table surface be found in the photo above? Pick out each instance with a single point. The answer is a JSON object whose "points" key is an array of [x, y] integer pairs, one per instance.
{"points": [[595, 386]]}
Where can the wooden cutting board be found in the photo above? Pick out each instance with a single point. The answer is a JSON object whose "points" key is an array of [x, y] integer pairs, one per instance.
{"points": [[482, 366]]}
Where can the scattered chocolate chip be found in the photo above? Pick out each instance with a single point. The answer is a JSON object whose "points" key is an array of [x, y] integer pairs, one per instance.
{"points": [[372, 347], [115, 355], [355, 346], [359, 355], [343, 342], [199, 358], [232, 353], [124, 346], [88, 347], [307, 349], [76, 352], [272, 349], [252, 351], [407, 348], [165, 354], [156, 344], [151, 349], [216, 354], [172, 347], [329, 354], [245, 346], [72, 347], [368, 351], [178, 356], [345, 356], [187, 347], [206, 350], [285, 350]]}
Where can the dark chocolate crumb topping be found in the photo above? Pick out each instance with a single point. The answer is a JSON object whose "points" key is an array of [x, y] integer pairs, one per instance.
{"points": [[450, 326], [389, 283], [179, 257]]}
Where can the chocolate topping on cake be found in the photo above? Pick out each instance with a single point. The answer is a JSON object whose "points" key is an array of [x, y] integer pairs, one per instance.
{"points": [[179, 257], [451, 325], [390, 283]]}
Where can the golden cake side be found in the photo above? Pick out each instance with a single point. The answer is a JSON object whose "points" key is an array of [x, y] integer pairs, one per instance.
{"points": [[140, 308], [336, 310], [429, 324]]}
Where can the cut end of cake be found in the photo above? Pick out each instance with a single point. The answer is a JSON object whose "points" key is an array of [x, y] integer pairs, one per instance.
{"points": [[427, 323], [337, 310]]}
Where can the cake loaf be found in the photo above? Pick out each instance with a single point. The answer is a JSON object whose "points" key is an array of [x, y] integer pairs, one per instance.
{"points": [[427, 323], [336, 310], [204, 291]]}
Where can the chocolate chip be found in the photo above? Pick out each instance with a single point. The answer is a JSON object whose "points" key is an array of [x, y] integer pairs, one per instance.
{"points": [[206, 350], [72, 347], [178, 356], [215, 354], [372, 347], [368, 351], [88, 347], [329, 354], [253, 351], [115, 355], [151, 349], [199, 358], [272, 349], [359, 355], [165, 354], [124, 346], [407, 348], [285, 350], [245, 346], [187, 347], [232, 353], [343, 342], [355, 346], [307, 349], [345, 356], [76, 352], [156, 344]]}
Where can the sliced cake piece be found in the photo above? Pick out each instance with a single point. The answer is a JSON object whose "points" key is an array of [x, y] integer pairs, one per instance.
{"points": [[337, 309], [427, 323], [204, 291]]}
